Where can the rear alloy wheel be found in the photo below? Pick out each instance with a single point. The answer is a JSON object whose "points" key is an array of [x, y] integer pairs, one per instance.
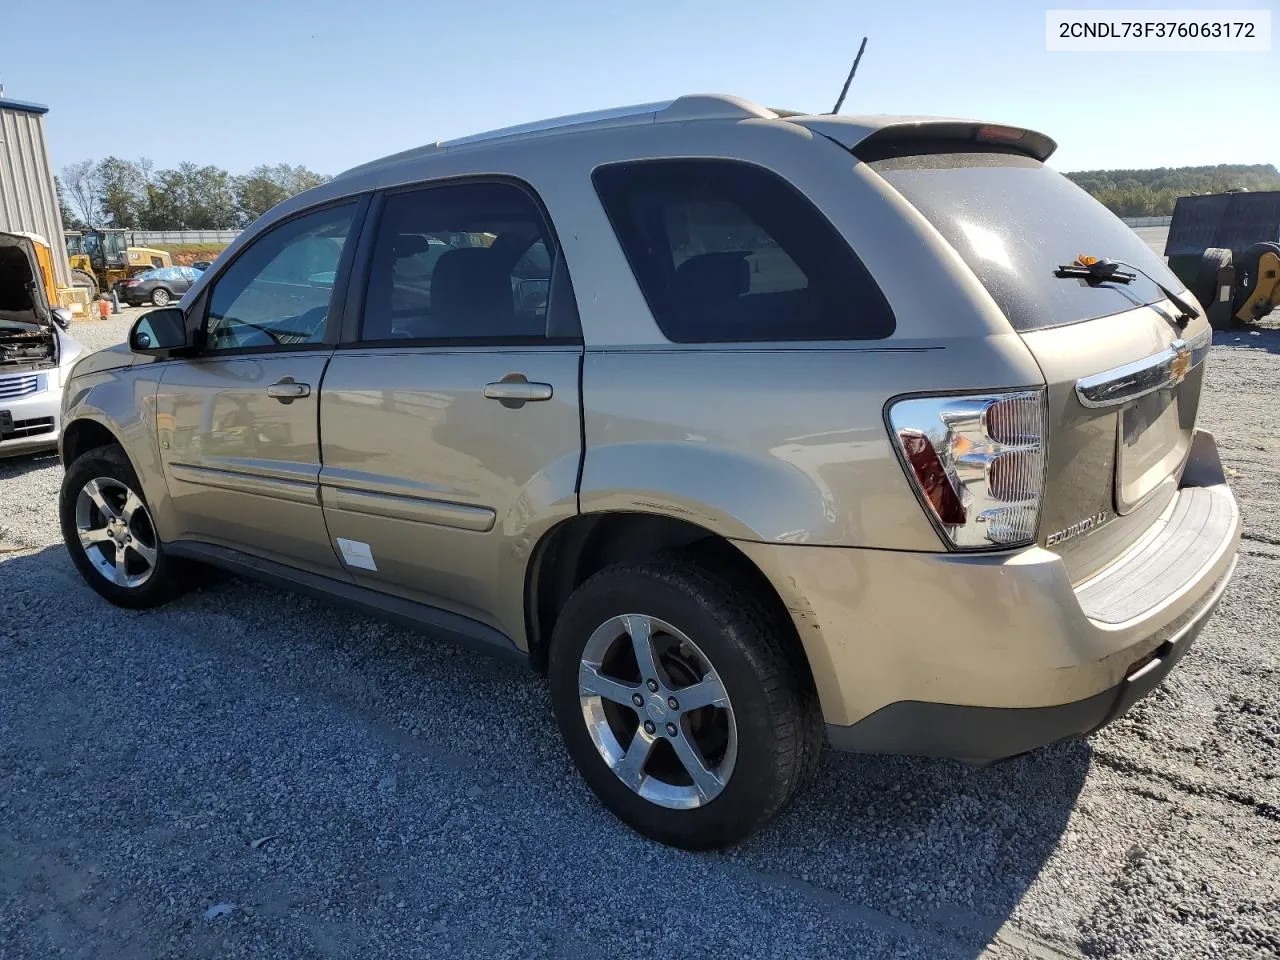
{"points": [[683, 700], [643, 683], [108, 531], [160, 297]]}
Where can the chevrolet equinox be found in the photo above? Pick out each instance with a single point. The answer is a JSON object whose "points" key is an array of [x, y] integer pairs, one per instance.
{"points": [[751, 430]]}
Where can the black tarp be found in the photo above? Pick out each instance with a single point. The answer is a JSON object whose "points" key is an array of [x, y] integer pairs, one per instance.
{"points": [[1231, 220]]}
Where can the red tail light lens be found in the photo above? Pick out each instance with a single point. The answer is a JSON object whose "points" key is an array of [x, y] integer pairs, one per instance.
{"points": [[932, 477]]}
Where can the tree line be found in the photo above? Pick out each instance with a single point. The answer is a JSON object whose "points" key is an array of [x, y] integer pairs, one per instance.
{"points": [[133, 194], [1153, 192]]}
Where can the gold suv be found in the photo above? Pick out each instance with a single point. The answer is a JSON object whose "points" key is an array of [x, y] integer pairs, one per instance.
{"points": [[750, 429]]}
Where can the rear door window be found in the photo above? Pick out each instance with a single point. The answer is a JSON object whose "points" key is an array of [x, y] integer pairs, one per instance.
{"points": [[725, 251], [1014, 221], [460, 262]]}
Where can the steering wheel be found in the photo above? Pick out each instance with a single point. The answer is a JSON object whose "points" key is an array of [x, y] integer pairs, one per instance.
{"points": [[311, 322], [241, 328]]}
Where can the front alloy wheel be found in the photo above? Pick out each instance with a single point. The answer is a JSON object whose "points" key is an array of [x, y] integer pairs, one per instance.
{"points": [[109, 532], [116, 532], [657, 711]]}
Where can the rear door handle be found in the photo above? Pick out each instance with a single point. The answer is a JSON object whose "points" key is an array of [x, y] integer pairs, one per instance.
{"points": [[514, 390], [287, 390]]}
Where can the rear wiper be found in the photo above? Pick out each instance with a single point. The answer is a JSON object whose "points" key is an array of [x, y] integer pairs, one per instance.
{"points": [[1103, 270]]}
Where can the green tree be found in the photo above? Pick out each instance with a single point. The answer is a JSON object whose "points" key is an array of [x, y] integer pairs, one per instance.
{"points": [[123, 191], [265, 186], [1153, 192], [127, 193]]}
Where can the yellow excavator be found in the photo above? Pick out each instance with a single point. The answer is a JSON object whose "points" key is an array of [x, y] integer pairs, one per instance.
{"points": [[101, 258]]}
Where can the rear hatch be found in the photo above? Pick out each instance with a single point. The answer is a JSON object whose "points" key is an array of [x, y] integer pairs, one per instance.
{"points": [[1123, 379]]}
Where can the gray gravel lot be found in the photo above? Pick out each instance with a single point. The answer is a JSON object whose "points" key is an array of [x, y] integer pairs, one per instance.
{"points": [[420, 803]]}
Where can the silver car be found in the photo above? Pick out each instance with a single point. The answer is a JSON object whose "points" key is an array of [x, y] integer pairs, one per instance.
{"points": [[36, 352], [751, 430]]}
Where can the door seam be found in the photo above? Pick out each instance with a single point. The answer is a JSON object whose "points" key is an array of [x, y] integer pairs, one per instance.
{"points": [[324, 517]]}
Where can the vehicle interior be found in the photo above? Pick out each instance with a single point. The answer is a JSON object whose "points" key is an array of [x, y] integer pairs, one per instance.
{"points": [[442, 270]]}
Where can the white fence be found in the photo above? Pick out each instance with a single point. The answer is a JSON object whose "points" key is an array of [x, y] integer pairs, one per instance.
{"points": [[147, 238], [1147, 221]]}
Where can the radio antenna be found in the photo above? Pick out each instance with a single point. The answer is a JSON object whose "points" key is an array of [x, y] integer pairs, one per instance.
{"points": [[849, 79]]}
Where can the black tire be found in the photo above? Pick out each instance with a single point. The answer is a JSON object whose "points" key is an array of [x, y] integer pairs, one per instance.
{"points": [[168, 575], [1208, 278], [87, 281], [160, 297], [1247, 272], [1205, 288], [778, 722]]}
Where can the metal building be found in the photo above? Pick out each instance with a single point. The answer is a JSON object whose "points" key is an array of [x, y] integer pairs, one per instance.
{"points": [[28, 198]]}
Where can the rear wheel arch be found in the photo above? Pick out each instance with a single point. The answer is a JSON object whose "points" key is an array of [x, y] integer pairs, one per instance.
{"points": [[575, 549]]}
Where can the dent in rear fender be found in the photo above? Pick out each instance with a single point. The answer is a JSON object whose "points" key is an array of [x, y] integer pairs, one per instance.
{"points": [[123, 400]]}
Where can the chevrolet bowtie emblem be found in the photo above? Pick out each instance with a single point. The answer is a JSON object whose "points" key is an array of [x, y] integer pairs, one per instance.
{"points": [[1181, 360]]}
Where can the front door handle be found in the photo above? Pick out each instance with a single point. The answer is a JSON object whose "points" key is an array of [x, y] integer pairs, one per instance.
{"points": [[514, 390], [287, 390]]}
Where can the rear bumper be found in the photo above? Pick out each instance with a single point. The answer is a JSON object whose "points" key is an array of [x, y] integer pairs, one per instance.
{"points": [[981, 657], [987, 734]]}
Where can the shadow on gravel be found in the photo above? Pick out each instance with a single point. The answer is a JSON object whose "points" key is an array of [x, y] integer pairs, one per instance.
{"points": [[1251, 335], [947, 849], [16, 466], [421, 792]]}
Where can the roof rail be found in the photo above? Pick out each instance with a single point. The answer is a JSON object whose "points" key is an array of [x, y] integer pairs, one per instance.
{"points": [[698, 106]]}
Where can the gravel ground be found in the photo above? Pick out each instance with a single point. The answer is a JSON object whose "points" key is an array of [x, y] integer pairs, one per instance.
{"points": [[419, 803]]}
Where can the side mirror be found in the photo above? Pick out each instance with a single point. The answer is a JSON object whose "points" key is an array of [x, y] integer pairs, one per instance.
{"points": [[159, 332], [61, 316]]}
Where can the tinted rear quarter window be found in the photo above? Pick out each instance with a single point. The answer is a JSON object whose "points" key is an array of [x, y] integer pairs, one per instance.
{"points": [[1014, 221], [726, 252]]}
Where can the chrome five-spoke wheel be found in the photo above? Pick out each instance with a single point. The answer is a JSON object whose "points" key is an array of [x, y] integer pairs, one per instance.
{"points": [[115, 532], [657, 711]]}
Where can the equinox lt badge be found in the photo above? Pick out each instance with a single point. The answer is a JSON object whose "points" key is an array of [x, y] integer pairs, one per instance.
{"points": [[1080, 527]]}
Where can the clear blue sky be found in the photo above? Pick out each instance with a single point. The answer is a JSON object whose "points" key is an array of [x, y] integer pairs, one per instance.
{"points": [[331, 84]]}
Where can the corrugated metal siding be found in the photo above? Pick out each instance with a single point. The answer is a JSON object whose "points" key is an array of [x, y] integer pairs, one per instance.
{"points": [[28, 199]]}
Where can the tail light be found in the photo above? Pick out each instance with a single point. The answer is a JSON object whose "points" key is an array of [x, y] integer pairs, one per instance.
{"points": [[978, 463]]}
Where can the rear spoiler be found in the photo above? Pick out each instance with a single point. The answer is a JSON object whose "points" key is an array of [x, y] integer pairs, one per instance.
{"points": [[877, 138]]}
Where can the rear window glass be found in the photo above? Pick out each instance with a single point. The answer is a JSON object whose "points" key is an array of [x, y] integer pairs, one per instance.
{"points": [[1014, 221], [728, 252]]}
